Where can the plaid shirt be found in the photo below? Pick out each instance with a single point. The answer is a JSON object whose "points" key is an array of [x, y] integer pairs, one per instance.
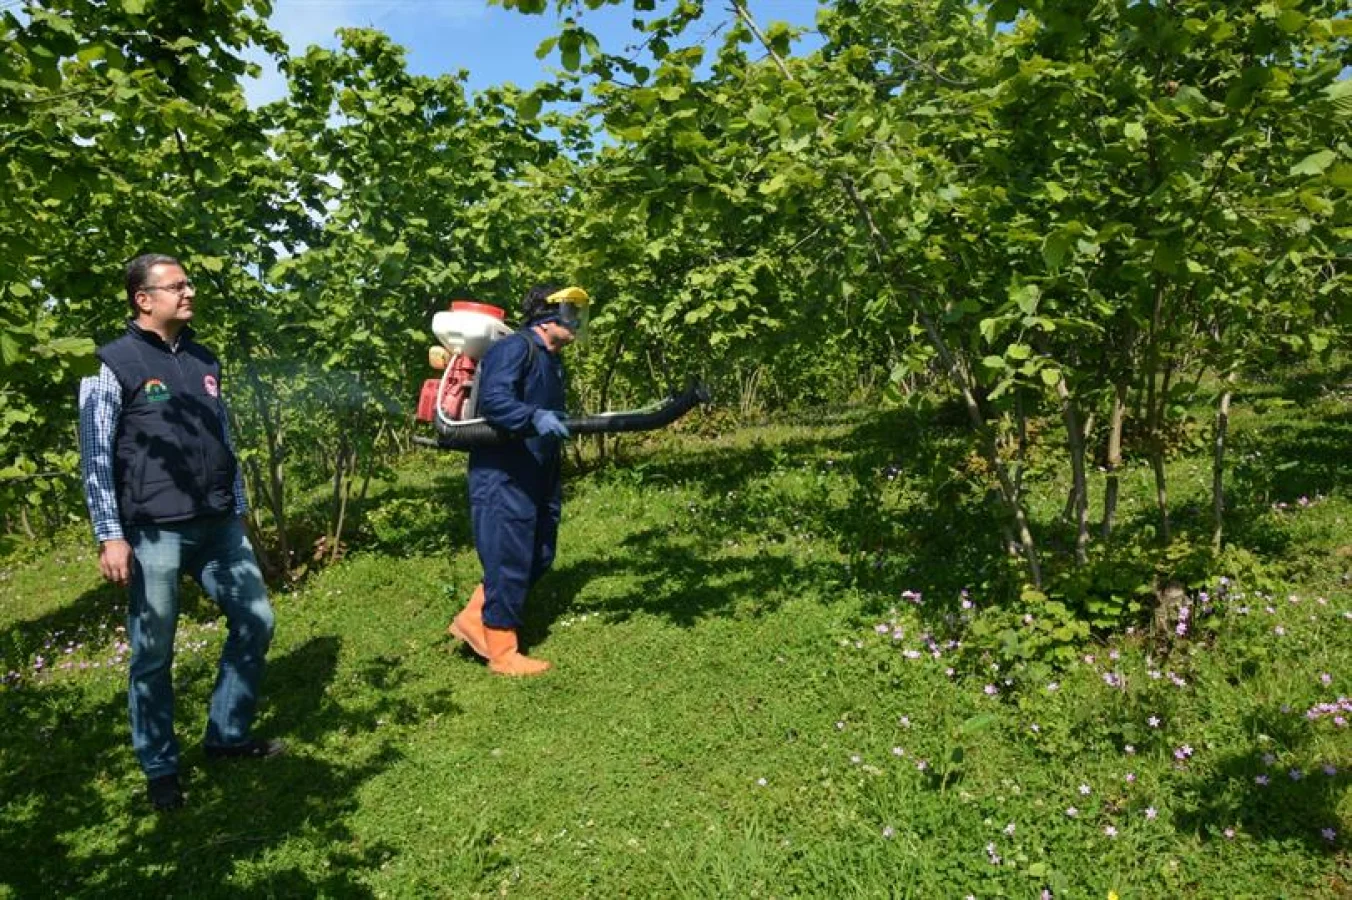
{"points": [[100, 410]]}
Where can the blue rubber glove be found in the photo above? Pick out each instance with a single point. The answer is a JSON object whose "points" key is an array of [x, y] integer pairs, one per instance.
{"points": [[547, 424]]}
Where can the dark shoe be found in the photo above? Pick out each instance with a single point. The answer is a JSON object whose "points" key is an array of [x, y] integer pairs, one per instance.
{"points": [[251, 749], [164, 792]]}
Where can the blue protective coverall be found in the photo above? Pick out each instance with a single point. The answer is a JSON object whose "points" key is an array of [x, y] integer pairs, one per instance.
{"points": [[515, 488]]}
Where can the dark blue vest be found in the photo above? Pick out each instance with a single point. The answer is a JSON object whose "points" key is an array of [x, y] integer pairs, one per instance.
{"points": [[171, 462]]}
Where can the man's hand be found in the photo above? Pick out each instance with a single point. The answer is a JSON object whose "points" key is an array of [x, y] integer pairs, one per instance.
{"points": [[115, 561], [547, 423]]}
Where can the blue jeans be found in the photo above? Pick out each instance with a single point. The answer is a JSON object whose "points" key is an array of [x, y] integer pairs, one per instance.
{"points": [[217, 554]]}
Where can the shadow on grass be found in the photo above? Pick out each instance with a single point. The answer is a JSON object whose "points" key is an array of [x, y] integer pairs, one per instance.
{"points": [[1292, 458], [1299, 385], [92, 619], [946, 539], [71, 827], [677, 582], [1286, 809], [410, 521]]}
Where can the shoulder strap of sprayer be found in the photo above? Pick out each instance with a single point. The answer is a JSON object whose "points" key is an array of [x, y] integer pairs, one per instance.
{"points": [[531, 352]]}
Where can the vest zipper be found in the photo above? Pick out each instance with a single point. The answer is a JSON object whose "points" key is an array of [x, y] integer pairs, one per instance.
{"points": [[201, 455]]}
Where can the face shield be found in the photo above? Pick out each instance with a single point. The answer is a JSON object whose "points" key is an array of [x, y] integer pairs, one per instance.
{"points": [[574, 310], [573, 317]]}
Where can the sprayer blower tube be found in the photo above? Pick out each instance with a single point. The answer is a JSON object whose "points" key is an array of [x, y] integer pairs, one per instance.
{"points": [[481, 434]]}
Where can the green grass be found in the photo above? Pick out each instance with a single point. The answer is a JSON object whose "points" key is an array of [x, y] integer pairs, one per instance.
{"points": [[725, 719]]}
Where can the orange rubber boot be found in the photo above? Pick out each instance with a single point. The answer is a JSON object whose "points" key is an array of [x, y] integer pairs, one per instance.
{"points": [[468, 625], [503, 657]]}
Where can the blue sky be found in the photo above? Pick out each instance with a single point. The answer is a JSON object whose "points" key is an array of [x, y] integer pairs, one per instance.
{"points": [[493, 44]]}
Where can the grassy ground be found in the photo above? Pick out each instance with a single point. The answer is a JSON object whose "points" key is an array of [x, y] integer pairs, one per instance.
{"points": [[750, 699]]}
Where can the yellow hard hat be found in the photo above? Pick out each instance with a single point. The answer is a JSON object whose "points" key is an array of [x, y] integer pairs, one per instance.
{"points": [[574, 295]]}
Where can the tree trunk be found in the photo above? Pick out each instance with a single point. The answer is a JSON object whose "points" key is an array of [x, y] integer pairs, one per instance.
{"points": [[1157, 456], [1021, 454], [342, 490], [1114, 458], [340, 461], [1079, 489], [1068, 511], [612, 364], [1218, 464], [1161, 491], [1156, 399], [342, 509]]}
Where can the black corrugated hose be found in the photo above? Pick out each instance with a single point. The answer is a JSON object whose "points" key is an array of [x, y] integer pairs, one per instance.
{"points": [[481, 434]]}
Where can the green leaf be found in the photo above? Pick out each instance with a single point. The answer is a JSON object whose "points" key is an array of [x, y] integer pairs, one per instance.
{"points": [[977, 723], [9, 350], [1168, 257], [71, 346], [133, 7], [1290, 21], [1054, 249], [1314, 203], [1051, 377], [1315, 163], [528, 106], [1026, 296], [570, 50], [1019, 351], [1340, 93], [1003, 11]]}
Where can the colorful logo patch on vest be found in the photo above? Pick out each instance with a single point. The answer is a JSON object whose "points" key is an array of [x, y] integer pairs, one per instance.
{"points": [[212, 388], [155, 390]]}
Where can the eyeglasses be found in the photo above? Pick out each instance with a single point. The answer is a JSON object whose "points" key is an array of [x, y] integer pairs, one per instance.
{"points": [[178, 287]]}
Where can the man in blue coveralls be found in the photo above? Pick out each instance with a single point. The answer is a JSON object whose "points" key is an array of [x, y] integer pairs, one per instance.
{"points": [[515, 488]]}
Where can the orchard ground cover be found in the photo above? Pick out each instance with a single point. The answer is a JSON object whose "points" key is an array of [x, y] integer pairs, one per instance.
{"points": [[771, 682]]}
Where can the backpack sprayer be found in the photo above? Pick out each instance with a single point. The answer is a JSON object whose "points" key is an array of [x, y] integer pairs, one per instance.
{"points": [[450, 402]]}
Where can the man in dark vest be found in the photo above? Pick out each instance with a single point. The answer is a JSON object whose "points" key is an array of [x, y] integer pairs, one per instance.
{"points": [[167, 499]]}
